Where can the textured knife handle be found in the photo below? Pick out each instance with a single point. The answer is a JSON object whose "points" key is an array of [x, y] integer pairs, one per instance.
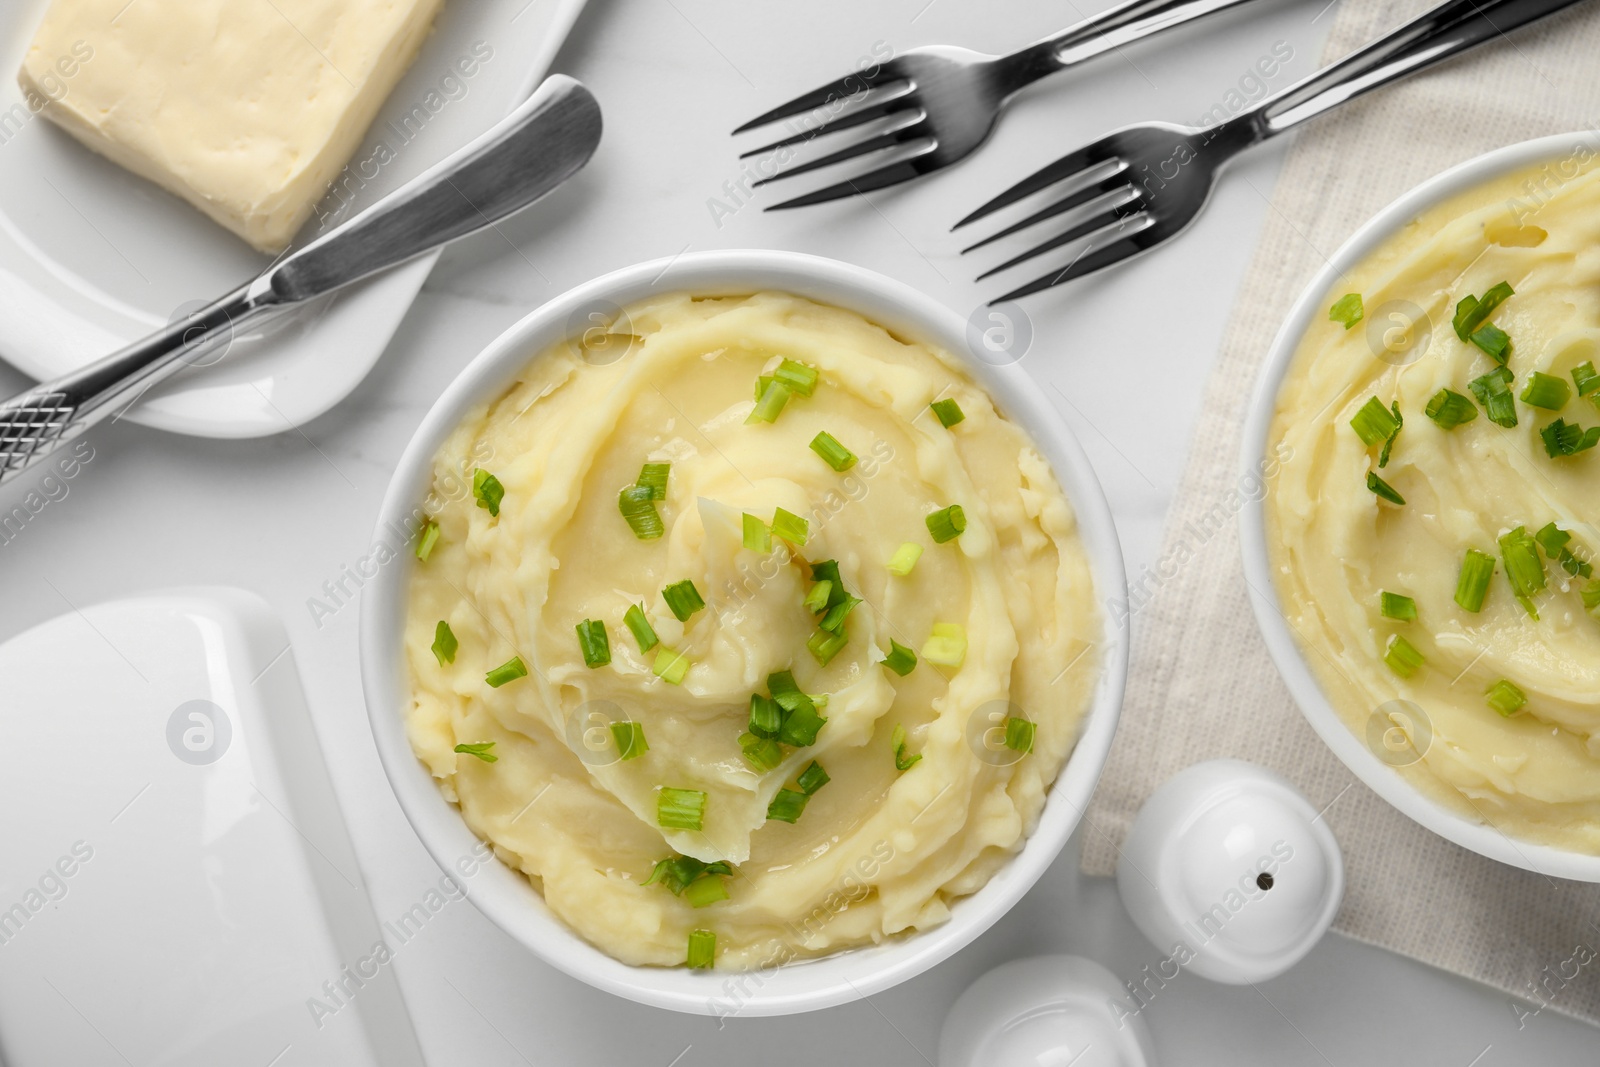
{"points": [[35, 423]]}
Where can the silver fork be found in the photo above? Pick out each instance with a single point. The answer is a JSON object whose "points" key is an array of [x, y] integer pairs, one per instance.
{"points": [[946, 99], [1143, 184]]}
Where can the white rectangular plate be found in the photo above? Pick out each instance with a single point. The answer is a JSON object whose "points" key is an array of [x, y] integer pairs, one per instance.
{"points": [[92, 258]]}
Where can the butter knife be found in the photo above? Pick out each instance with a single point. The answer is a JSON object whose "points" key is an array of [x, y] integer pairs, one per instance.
{"points": [[530, 152]]}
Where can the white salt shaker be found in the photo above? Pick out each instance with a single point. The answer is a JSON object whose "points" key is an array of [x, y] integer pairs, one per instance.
{"points": [[1231, 870], [1048, 1011]]}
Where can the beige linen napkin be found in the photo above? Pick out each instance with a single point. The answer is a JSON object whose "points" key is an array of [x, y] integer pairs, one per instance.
{"points": [[1201, 684]]}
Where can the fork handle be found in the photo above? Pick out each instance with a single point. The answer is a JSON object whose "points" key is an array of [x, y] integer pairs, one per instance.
{"points": [[1448, 30], [1123, 24]]}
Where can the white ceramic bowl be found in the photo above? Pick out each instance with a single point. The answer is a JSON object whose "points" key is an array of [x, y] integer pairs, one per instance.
{"points": [[1383, 779], [505, 896]]}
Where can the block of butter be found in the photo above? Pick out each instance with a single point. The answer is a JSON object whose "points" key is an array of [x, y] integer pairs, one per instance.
{"points": [[248, 109]]}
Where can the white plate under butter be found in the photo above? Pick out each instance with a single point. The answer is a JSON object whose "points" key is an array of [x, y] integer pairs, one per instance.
{"points": [[92, 258]]}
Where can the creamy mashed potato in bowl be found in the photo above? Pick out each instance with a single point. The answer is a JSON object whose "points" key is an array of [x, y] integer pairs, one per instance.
{"points": [[1424, 561], [762, 630]]}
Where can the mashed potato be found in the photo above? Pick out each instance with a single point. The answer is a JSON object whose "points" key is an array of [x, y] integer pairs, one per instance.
{"points": [[1532, 771], [923, 801]]}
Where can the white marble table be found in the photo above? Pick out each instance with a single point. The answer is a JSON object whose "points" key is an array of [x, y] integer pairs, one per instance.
{"points": [[284, 515]]}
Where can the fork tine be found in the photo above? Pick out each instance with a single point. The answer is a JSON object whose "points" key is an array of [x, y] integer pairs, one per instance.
{"points": [[892, 174], [1090, 155], [892, 105], [1091, 260], [847, 86], [860, 148], [1117, 212], [1076, 198]]}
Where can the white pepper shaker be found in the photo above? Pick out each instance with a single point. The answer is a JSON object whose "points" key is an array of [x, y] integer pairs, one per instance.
{"points": [[1043, 1012], [1232, 871]]}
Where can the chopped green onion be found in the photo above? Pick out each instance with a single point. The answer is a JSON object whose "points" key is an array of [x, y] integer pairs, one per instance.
{"points": [[1563, 438], [1473, 584], [766, 717], [781, 685], [757, 538], [832, 452], [703, 891], [817, 599], [1591, 598], [825, 644], [1473, 312], [828, 571], [1374, 423], [1450, 409], [949, 412], [1506, 698], [947, 523], [762, 752], [637, 504], [1546, 391], [680, 809], [509, 671], [1388, 446], [683, 598], [676, 872], [787, 805], [702, 950], [1494, 341], [444, 643], [640, 626], [1396, 606], [1019, 734], [790, 527], [1524, 567], [1464, 307], [833, 621], [1383, 488], [796, 377], [487, 488], [594, 642], [904, 559], [484, 750], [801, 726], [1554, 542], [427, 537], [1347, 309], [897, 741], [1586, 378], [947, 646], [812, 778], [761, 384], [770, 406], [1402, 657], [653, 476], [900, 659], [1493, 391], [670, 666], [629, 737]]}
